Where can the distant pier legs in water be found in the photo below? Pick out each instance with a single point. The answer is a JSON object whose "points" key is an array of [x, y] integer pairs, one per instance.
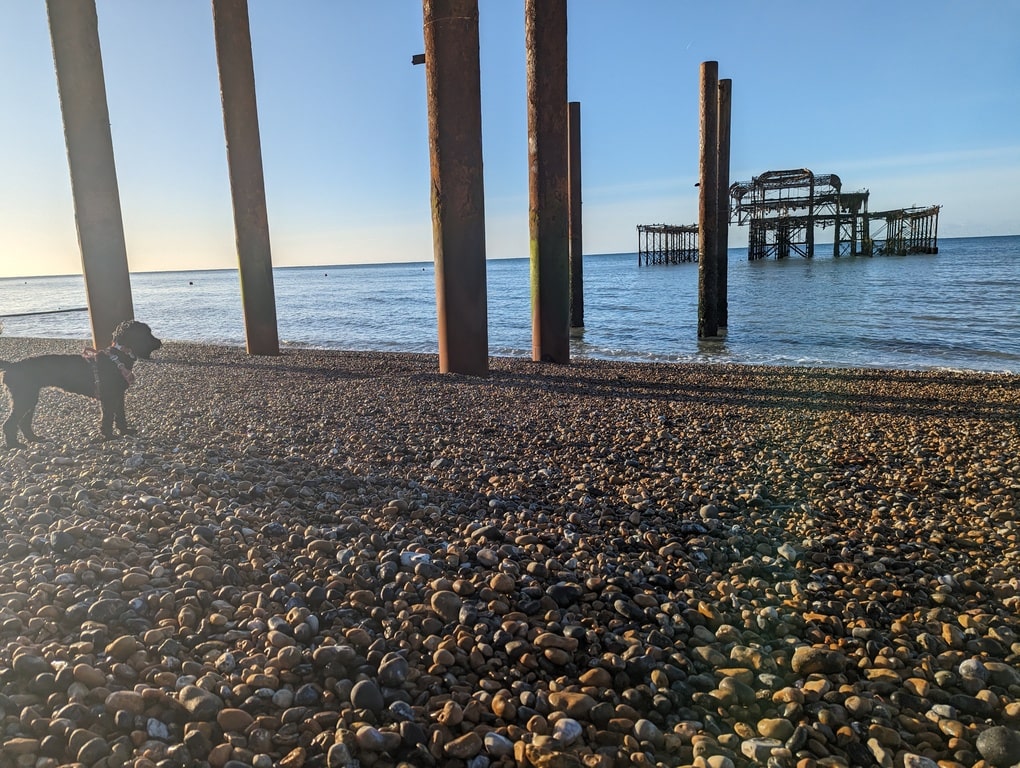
{"points": [[667, 243], [783, 208]]}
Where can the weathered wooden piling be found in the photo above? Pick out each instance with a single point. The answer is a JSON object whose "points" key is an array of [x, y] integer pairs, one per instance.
{"points": [[708, 203], [574, 206], [247, 184], [74, 32], [545, 30], [723, 204], [458, 211]]}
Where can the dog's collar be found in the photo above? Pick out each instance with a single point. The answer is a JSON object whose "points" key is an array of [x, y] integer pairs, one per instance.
{"points": [[91, 355], [126, 350]]}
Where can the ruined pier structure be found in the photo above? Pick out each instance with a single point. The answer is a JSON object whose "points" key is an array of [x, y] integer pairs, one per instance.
{"points": [[783, 210], [667, 243]]}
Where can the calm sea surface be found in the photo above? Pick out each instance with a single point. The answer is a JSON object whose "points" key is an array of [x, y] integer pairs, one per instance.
{"points": [[958, 309]]}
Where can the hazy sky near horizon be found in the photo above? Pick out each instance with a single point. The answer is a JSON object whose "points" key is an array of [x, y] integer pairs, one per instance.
{"points": [[916, 100]]}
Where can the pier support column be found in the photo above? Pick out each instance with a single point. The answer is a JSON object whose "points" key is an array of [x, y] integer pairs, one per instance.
{"points": [[723, 212], [809, 234], [836, 238], [453, 86], [74, 32], [708, 203], [574, 205], [545, 29], [247, 184]]}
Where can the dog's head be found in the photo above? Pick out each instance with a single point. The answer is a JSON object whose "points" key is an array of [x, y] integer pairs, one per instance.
{"points": [[136, 337]]}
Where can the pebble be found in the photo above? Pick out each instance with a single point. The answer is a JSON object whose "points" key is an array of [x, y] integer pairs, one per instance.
{"points": [[999, 746], [566, 731], [464, 747], [200, 703], [232, 719], [365, 694], [344, 559], [575, 705], [446, 604], [393, 670], [497, 745]]}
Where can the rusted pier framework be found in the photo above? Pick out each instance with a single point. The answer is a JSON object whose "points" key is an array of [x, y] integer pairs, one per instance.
{"points": [[907, 230], [784, 208], [667, 243]]}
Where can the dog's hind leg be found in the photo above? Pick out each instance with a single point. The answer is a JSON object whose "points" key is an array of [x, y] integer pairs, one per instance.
{"points": [[26, 424], [11, 431], [22, 411]]}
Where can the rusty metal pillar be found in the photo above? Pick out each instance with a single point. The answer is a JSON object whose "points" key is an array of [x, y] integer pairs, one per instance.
{"points": [[723, 184], [708, 203], [836, 239], [867, 247], [574, 205], [247, 184], [545, 30], [453, 86], [74, 32], [809, 234]]}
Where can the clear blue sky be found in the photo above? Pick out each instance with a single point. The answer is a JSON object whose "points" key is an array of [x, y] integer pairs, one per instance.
{"points": [[916, 100]]}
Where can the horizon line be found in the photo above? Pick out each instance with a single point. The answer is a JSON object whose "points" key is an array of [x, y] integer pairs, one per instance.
{"points": [[345, 265]]}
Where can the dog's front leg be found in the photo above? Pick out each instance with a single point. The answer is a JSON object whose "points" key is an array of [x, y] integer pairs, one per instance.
{"points": [[121, 418], [26, 427], [109, 408]]}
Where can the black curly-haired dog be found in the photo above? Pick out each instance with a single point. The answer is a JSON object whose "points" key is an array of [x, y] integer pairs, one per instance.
{"points": [[104, 374]]}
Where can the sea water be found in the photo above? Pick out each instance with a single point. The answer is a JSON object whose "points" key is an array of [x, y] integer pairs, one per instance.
{"points": [[957, 309]]}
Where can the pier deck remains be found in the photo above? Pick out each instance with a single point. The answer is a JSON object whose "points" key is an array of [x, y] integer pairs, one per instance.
{"points": [[783, 210], [667, 243]]}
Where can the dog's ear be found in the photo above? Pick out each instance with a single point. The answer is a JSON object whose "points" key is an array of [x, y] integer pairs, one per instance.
{"points": [[122, 330]]}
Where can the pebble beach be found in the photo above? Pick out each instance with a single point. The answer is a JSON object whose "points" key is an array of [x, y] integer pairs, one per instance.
{"points": [[347, 559]]}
